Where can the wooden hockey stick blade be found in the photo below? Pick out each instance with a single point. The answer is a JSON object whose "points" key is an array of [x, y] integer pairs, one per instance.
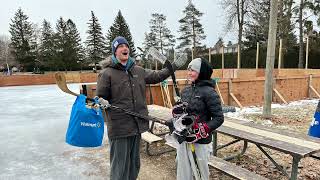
{"points": [[62, 83]]}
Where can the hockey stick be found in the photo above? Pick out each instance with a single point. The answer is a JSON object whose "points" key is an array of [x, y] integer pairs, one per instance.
{"points": [[196, 171], [62, 84], [179, 62], [105, 104]]}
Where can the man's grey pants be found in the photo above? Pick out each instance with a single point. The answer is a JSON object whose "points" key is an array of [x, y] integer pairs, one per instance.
{"points": [[125, 158], [185, 162]]}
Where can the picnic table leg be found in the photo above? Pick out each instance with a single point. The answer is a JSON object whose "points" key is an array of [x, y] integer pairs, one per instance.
{"points": [[294, 170], [214, 143], [273, 161], [245, 145], [215, 146]]}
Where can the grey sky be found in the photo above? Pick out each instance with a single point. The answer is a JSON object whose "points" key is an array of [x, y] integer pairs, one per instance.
{"points": [[136, 12]]}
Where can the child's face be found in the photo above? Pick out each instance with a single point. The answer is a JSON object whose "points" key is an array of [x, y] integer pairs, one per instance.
{"points": [[192, 75]]}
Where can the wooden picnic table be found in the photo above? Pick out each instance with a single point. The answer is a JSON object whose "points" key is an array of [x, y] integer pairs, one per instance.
{"points": [[298, 146]]}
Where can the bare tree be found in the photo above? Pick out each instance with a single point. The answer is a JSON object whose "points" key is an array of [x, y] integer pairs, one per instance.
{"points": [[303, 6], [5, 56], [237, 11]]}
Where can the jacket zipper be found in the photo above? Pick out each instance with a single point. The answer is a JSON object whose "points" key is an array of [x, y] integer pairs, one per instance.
{"points": [[133, 100]]}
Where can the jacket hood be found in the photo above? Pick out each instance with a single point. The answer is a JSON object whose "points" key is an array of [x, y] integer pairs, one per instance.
{"points": [[205, 70], [112, 61]]}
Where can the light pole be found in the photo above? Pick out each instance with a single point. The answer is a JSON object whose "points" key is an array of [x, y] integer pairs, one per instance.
{"points": [[268, 85]]}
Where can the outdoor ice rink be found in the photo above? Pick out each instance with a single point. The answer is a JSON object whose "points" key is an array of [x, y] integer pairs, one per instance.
{"points": [[33, 122]]}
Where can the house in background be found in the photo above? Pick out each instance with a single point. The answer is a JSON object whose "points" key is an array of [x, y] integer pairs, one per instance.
{"points": [[219, 47]]}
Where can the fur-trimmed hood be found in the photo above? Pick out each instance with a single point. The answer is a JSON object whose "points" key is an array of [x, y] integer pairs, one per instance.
{"points": [[112, 61]]}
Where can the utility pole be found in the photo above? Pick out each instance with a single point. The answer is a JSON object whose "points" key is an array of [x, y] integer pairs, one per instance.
{"points": [[268, 85]]}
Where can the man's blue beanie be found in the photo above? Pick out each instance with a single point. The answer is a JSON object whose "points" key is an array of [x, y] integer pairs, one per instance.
{"points": [[117, 41]]}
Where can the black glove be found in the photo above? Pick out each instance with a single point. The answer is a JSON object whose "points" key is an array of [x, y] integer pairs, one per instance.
{"points": [[179, 108], [188, 120], [181, 136]]}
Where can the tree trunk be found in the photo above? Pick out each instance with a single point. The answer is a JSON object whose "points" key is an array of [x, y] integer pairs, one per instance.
{"points": [[287, 30], [282, 31], [268, 85], [240, 26], [300, 65], [194, 39]]}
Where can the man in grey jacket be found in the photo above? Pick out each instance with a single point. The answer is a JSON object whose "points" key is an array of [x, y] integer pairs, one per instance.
{"points": [[123, 84]]}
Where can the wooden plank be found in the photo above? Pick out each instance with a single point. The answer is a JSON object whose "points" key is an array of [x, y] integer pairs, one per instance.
{"points": [[219, 93], [232, 169], [314, 90], [267, 142], [280, 96], [236, 100], [275, 136], [150, 138]]}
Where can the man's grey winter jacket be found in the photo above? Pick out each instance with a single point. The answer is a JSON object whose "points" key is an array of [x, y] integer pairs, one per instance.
{"points": [[126, 89]]}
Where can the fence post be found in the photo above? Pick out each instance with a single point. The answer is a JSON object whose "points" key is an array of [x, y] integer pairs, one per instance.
{"points": [[222, 64], [280, 54], [309, 85], [238, 64], [229, 91], [257, 56]]}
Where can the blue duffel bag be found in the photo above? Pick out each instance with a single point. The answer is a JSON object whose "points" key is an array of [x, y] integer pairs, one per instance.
{"points": [[86, 125]]}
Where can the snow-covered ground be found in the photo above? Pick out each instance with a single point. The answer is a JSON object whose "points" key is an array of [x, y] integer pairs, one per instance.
{"points": [[33, 121], [258, 110]]}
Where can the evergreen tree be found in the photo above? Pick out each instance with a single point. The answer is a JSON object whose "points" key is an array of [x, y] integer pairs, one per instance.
{"points": [[191, 29], [22, 40], [256, 30], [159, 30], [69, 50], [120, 28], [60, 43], [47, 51], [74, 46], [149, 40], [95, 41]]}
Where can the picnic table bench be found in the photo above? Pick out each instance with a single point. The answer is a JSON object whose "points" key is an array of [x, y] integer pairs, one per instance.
{"points": [[297, 145]]}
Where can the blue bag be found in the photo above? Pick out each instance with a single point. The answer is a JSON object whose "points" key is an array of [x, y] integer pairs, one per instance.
{"points": [[86, 125], [314, 129]]}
